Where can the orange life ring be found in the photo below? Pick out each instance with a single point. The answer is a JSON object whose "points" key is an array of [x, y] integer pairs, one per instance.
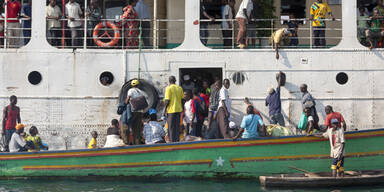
{"points": [[98, 38]]}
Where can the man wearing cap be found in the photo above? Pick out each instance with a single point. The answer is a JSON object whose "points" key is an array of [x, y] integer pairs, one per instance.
{"points": [[137, 116], [279, 37], [307, 101], [153, 132], [274, 104], [334, 115], [188, 84], [11, 116], [173, 100], [17, 143], [337, 142]]}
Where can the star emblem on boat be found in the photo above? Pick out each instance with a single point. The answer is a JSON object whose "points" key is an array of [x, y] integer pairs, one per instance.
{"points": [[220, 161]]}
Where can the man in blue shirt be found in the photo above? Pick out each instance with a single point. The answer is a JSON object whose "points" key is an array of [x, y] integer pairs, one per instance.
{"points": [[250, 125], [26, 13], [274, 103]]}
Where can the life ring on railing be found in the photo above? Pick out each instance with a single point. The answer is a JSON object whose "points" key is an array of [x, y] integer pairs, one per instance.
{"points": [[98, 38]]}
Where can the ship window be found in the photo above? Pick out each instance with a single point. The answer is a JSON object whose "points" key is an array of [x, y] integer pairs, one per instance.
{"points": [[199, 75], [106, 78], [367, 32], [105, 30], [341, 78], [238, 78], [265, 19], [34, 77]]}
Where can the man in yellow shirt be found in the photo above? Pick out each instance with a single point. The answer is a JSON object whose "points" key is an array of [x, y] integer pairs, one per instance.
{"points": [[279, 37], [319, 10], [173, 108]]}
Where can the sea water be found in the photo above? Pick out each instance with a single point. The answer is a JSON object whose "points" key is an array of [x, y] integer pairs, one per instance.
{"points": [[157, 185]]}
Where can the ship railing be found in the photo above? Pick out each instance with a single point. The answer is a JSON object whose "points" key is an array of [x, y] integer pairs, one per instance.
{"points": [[12, 36], [259, 32], [133, 34]]}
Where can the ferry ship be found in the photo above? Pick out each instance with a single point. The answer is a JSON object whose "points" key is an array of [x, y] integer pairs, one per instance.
{"points": [[60, 92]]}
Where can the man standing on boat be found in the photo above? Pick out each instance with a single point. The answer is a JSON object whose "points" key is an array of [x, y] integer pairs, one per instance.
{"points": [[93, 14], [318, 11], [337, 142], [11, 116], [242, 18], [274, 103], [137, 115], [13, 25], [213, 105], [307, 101], [173, 107], [74, 14], [53, 14], [334, 115], [26, 14], [223, 114]]}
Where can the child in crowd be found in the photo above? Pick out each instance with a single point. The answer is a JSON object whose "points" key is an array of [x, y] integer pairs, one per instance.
{"points": [[93, 143], [153, 131], [36, 143], [337, 142], [188, 111]]}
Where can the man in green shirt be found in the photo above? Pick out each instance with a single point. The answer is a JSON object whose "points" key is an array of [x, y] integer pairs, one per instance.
{"points": [[375, 33]]}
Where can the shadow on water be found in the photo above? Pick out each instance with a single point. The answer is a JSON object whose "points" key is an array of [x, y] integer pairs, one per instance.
{"points": [[149, 185]]}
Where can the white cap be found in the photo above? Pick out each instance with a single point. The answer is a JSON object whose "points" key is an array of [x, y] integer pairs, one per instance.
{"points": [[286, 32], [232, 125], [270, 90], [186, 77]]}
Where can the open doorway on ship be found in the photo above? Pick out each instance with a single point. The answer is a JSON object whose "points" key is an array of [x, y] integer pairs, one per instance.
{"points": [[198, 75]]}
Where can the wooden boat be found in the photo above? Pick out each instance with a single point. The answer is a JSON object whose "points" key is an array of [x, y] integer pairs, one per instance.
{"points": [[200, 159], [323, 179]]}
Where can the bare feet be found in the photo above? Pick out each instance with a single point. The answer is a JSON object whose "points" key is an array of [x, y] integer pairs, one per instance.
{"points": [[241, 46]]}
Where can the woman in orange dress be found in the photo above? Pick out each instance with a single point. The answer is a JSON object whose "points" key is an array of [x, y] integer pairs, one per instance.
{"points": [[131, 25]]}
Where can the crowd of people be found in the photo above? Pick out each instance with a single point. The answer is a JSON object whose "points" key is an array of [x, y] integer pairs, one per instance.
{"points": [[134, 14], [19, 17], [370, 27], [246, 15], [18, 21], [191, 113]]}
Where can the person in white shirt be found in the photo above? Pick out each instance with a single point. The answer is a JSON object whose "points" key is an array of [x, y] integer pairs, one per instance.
{"points": [[188, 115], [223, 114], [336, 138], [143, 13], [53, 14], [227, 27], [242, 18], [74, 14]]}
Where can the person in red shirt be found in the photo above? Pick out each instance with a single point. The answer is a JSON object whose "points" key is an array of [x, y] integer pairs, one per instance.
{"points": [[13, 30], [334, 115], [11, 115], [197, 113]]}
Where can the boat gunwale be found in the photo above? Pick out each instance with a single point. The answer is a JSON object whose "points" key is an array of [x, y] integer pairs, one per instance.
{"points": [[188, 145]]}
